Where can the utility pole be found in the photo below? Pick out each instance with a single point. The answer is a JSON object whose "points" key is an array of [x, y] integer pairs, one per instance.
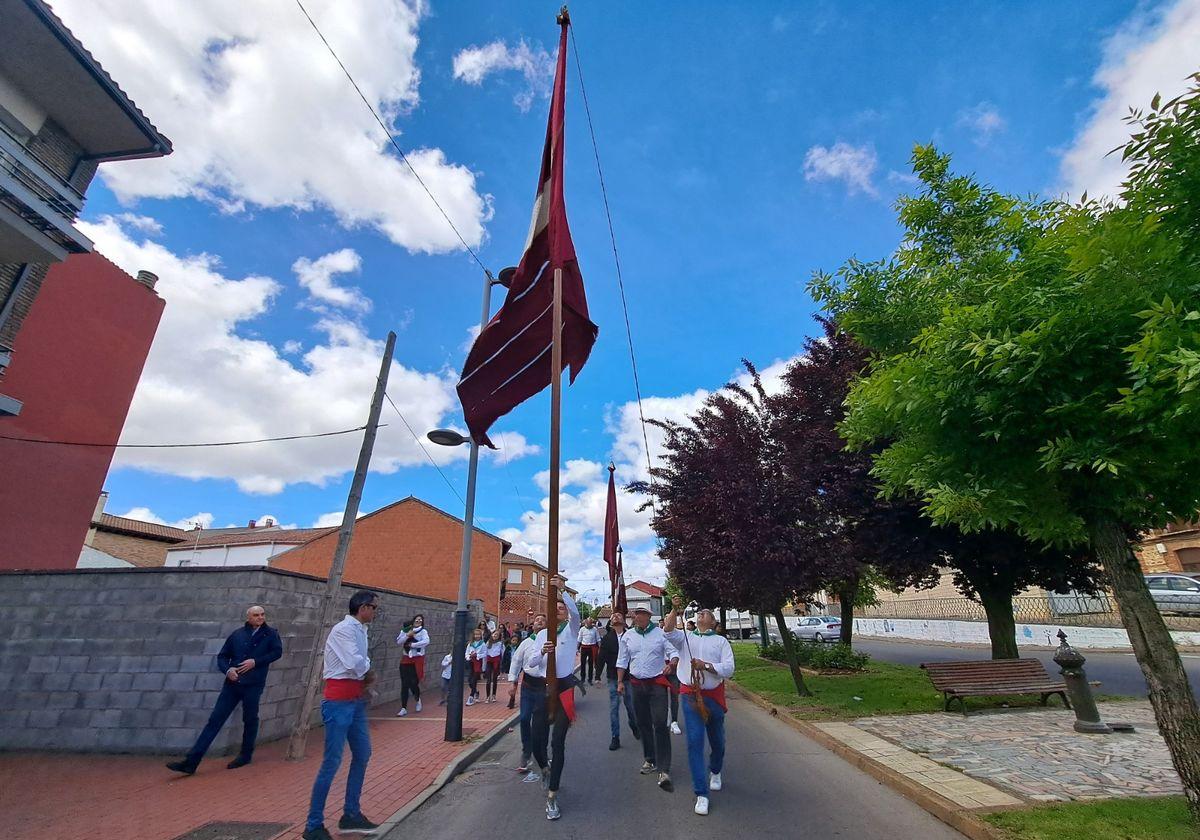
{"points": [[333, 585]]}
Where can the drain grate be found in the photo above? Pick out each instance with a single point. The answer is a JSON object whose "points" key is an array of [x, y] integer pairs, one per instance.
{"points": [[234, 831]]}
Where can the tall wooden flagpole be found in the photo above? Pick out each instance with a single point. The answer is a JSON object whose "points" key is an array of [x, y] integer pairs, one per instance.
{"points": [[552, 595]]}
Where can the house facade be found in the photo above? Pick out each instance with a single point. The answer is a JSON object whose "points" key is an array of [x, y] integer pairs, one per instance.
{"points": [[523, 587], [643, 594]]}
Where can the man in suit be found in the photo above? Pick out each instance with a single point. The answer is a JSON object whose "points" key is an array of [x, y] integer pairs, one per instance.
{"points": [[245, 659]]}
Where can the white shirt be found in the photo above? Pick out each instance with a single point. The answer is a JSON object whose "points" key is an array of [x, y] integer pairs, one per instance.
{"points": [[346, 650], [644, 654], [589, 635], [567, 646], [708, 647], [419, 643], [521, 662], [447, 666]]}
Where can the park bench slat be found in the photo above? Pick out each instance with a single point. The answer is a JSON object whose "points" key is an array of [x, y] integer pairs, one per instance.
{"points": [[958, 680]]}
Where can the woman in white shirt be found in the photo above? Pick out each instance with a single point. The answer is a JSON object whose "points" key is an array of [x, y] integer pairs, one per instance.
{"points": [[414, 638], [493, 657]]}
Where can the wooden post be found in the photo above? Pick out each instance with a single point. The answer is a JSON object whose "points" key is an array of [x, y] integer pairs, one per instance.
{"points": [[555, 456], [333, 585]]}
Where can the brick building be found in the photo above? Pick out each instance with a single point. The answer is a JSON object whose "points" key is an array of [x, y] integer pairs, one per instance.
{"points": [[523, 587], [61, 115], [1175, 548], [408, 546], [136, 543]]}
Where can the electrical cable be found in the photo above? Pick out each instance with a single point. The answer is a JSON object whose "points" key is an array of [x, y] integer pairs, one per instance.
{"points": [[395, 144], [453, 489], [180, 445]]}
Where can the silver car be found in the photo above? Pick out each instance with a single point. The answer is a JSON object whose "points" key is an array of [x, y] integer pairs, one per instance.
{"points": [[1175, 593], [819, 628]]}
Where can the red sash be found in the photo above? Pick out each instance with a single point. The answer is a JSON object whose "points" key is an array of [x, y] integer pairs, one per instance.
{"points": [[566, 699], [343, 689], [661, 679], [476, 665], [419, 663], [716, 694]]}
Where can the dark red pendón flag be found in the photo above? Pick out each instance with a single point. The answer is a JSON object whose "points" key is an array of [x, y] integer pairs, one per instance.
{"points": [[612, 535], [510, 360]]}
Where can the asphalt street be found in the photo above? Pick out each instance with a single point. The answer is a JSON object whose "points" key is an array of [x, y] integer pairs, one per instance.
{"points": [[1118, 673], [777, 784]]}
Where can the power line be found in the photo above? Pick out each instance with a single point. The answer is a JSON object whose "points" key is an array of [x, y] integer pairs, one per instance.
{"points": [[391, 138], [453, 489], [178, 445], [637, 386]]}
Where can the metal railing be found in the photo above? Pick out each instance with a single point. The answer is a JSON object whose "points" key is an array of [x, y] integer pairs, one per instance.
{"points": [[38, 195], [1181, 613]]}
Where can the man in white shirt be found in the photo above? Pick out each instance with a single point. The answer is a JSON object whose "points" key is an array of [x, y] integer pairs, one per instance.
{"points": [[589, 648], [705, 662], [344, 711], [643, 654], [565, 650], [532, 697]]}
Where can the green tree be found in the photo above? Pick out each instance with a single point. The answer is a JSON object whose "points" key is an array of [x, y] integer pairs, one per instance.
{"points": [[1037, 368]]}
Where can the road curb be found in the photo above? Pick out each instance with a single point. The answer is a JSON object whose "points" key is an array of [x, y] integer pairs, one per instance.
{"points": [[945, 810], [462, 762]]}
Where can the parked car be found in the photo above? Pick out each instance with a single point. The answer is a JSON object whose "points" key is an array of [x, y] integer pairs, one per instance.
{"points": [[819, 628], [1175, 593]]}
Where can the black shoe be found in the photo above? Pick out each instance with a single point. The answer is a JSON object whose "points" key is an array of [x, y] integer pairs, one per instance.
{"points": [[181, 767], [583, 689], [240, 761], [356, 825], [318, 833], [615, 744]]}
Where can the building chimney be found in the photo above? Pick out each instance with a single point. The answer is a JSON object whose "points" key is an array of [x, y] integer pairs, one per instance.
{"points": [[147, 279], [251, 525]]}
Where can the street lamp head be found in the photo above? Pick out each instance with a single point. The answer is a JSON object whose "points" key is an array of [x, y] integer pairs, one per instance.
{"points": [[447, 437], [505, 277]]}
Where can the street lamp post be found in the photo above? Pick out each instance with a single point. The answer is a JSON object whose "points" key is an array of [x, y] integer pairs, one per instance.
{"points": [[448, 437]]}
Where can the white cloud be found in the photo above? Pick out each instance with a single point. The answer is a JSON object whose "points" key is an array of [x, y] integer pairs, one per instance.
{"points": [[142, 224], [291, 347], [144, 514], [1153, 52], [983, 121], [205, 380], [329, 520], [317, 277], [581, 515], [474, 64], [473, 332], [853, 165], [261, 115]]}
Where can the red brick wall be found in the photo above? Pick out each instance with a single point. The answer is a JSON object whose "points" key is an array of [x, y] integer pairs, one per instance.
{"points": [[408, 547], [77, 361]]}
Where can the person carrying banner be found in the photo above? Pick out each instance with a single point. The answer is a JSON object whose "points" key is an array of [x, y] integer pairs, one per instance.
{"points": [[705, 662], [533, 692], [643, 655], [543, 729]]}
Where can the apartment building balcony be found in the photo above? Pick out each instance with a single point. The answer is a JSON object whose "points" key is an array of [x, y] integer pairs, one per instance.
{"points": [[38, 208]]}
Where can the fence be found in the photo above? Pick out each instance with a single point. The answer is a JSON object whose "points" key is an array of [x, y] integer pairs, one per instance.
{"points": [[1183, 613]]}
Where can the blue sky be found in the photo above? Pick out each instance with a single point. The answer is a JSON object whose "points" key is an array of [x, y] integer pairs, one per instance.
{"points": [[744, 145]]}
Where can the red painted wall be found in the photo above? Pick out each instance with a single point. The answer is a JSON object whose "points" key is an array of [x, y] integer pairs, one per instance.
{"points": [[75, 365]]}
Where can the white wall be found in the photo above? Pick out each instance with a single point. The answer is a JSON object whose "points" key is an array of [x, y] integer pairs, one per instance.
{"points": [[222, 555], [945, 630]]}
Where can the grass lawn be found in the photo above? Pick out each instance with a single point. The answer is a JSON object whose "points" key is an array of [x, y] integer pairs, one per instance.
{"points": [[883, 689], [1111, 819]]}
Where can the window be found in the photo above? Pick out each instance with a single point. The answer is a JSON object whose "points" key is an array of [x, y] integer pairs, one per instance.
{"points": [[1156, 583], [514, 576], [1181, 585]]}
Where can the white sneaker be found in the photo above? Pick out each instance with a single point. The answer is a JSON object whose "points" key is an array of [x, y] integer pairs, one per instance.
{"points": [[714, 781], [470, 701], [675, 730], [402, 713], [418, 705], [702, 806]]}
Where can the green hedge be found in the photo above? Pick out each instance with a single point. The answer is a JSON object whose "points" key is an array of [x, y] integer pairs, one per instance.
{"points": [[819, 655]]}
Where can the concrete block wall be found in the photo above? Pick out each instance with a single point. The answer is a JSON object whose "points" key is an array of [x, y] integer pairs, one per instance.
{"points": [[124, 660]]}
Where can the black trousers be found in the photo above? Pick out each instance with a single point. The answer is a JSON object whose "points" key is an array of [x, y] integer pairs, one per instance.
{"points": [[409, 684], [473, 680], [673, 679], [587, 663], [231, 694], [555, 734], [490, 678], [650, 706]]}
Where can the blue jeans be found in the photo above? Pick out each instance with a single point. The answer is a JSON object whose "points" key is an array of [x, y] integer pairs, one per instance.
{"points": [[614, 709], [345, 721], [533, 702], [696, 729], [231, 694]]}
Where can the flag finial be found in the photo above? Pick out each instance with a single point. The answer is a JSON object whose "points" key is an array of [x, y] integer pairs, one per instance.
{"points": [[612, 467], [564, 17]]}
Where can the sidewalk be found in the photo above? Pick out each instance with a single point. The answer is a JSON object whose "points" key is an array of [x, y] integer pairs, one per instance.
{"points": [[47, 796]]}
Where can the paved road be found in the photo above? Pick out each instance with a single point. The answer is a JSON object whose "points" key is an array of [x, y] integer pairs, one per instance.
{"points": [[1118, 673], [777, 784]]}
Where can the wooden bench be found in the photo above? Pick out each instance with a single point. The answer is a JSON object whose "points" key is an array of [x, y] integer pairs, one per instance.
{"points": [[987, 677]]}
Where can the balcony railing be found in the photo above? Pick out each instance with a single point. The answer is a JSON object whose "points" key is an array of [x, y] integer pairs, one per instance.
{"points": [[40, 198]]}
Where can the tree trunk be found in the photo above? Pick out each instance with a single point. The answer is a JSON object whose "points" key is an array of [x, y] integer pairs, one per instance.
{"points": [[1002, 627], [1171, 695], [847, 595], [790, 650], [763, 637], [724, 623]]}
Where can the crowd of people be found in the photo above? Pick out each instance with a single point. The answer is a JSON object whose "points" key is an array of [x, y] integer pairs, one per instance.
{"points": [[653, 670]]}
